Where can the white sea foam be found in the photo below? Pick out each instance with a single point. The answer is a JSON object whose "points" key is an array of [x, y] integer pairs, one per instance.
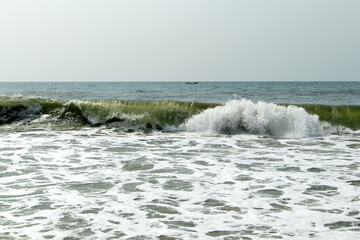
{"points": [[99, 183], [245, 116]]}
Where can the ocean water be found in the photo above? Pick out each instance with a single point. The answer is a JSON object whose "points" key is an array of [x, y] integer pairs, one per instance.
{"points": [[213, 160]]}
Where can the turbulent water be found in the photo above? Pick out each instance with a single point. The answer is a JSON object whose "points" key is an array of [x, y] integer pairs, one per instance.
{"points": [[178, 161]]}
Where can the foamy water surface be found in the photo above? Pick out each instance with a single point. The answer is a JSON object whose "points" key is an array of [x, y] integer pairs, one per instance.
{"points": [[99, 183]]}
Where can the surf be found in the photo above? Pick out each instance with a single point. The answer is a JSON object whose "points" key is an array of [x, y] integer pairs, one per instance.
{"points": [[245, 116], [240, 116]]}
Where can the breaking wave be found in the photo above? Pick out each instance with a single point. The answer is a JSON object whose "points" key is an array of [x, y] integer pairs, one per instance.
{"points": [[244, 116], [234, 117], [25, 112]]}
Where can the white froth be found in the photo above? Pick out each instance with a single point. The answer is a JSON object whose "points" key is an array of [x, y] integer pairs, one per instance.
{"points": [[245, 116], [102, 184]]}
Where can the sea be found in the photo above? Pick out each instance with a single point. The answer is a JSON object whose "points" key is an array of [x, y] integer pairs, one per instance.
{"points": [[177, 160]]}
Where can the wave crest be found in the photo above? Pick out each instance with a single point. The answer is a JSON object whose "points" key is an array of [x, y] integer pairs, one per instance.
{"points": [[234, 117], [245, 116]]}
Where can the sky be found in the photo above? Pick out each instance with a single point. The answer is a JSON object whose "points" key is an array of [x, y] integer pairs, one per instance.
{"points": [[180, 40]]}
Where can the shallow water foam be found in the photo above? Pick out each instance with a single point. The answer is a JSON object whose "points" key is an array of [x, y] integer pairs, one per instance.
{"points": [[105, 184]]}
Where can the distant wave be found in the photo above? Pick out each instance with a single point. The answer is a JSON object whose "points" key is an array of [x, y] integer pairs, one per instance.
{"points": [[234, 117]]}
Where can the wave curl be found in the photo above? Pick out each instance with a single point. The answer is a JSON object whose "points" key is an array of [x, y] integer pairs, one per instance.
{"points": [[234, 117]]}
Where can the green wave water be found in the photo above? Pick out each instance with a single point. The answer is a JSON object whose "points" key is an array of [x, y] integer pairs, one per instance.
{"points": [[118, 113], [159, 113], [347, 116], [137, 114]]}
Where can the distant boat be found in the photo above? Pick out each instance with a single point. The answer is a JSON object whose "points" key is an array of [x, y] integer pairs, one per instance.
{"points": [[192, 82]]}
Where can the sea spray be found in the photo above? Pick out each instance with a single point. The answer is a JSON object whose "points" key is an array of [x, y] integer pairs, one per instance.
{"points": [[245, 116]]}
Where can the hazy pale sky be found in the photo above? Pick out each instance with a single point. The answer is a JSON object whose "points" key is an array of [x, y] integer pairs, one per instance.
{"points": [[126, 40]]}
